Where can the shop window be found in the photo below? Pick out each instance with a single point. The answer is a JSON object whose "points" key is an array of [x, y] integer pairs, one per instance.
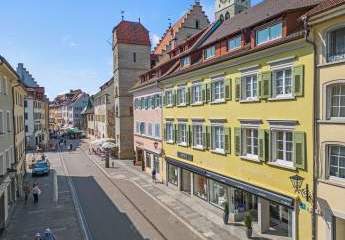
{"points": [[148, 159], [172, 174], [218, 193], [186, 181], [156, 163], [336, 101], [281, 218], [336, 45], [336, 161], [200, 186]]}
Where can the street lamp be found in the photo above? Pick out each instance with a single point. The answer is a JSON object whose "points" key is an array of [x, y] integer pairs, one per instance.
{"points": [[297, 182]]}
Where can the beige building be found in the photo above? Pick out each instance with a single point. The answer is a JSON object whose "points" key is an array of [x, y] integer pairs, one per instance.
{"points": [[104, 114], [327, 23], [19, 131], [8, 78]]}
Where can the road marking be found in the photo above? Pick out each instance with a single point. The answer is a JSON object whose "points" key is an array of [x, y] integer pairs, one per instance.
{"points": [[55, 187], [151, 196], [81, 217]]}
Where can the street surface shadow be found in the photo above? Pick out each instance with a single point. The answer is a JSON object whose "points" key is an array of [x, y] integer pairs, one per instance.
{"points": [[104, 220]]}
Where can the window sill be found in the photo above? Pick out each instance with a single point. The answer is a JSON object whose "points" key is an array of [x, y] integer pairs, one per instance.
{"points": [[218, 101], [331, 63], [250, 100], [220, 152], [182, 105], [250, 159], [332, 121], [169, 106], [334, 182], [197, 104], [200, 148], [282, 166], [281, 98], [170, 142], [182, 144]]}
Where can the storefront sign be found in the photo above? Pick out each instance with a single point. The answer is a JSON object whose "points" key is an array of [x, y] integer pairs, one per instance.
{"points": [[185, 156]]}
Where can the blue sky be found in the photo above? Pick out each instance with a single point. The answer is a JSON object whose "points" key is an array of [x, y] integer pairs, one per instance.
{"points": [[64, 43]]}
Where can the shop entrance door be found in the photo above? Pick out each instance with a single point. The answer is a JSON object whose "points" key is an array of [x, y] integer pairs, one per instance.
{"points": [[156, 165], [186, 181], [140, 158]]}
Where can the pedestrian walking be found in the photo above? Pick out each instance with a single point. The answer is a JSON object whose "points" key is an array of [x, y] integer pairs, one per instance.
{"points": [[48, 235], [154, 175], [36, 192], [26, 190]]}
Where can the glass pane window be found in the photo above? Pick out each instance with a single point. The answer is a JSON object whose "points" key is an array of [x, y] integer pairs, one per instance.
{"points": [[251, 87], [336, 160], [197, 136], [218, 138], [149, 129], [338, 101], [168, 97], [218, 90], [172, 174], [142, 128], [283, 147], [2, 123], [209, 52], [251, 142], [269, 33], [200, 186], [336, 45], [234, 43], [156, 163], [148, 160], [157, 130], [169, 132], [218, 193], [182, 133], [283, 82], [185, 61], [197, 93], [181, 96]]}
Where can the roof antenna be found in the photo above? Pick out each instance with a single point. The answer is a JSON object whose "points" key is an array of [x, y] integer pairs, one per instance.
{"points": [[123, 15], [139, 20], [169, 19]]}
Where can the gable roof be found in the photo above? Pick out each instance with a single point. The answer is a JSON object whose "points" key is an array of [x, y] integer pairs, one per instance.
{"points": [[128, 32], [324, 6], [256, 14]]}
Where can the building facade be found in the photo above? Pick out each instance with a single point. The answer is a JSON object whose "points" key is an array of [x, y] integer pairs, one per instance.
{"points": [[8, 79], [229, 113], [104, 111], [327, 26], [89, 119], [147, 128], [131, 57], [74, 109], [226, 9]]}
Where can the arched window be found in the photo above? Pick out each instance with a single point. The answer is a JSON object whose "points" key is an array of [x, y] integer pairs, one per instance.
{"points": [[336, 44], [221, 18], [336, 101], [336, 161], [227, 16]]}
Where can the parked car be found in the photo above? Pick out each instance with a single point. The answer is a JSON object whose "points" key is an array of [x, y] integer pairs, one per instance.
{"points": [[41, 167]]}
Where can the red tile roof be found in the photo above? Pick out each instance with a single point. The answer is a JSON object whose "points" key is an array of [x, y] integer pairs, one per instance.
{"points": [[324, 6], [132, 33]]}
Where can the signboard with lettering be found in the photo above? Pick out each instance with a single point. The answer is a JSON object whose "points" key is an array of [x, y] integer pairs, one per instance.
{"points": [[185, 156]]}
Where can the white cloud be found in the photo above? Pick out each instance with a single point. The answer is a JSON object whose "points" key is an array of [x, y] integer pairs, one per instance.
{"points": [[68, 41], [154, 39]]}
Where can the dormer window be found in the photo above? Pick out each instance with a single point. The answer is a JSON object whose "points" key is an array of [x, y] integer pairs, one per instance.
{"points": [[269, 33], [234, 43], [185, 61], [209, 52]]}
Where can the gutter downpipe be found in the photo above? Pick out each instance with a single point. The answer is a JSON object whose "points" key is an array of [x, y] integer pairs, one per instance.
{"points": [[315, 128]]}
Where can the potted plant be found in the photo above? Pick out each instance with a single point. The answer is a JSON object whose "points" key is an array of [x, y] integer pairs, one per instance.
{"points": [[226, 213], [248, 223]]}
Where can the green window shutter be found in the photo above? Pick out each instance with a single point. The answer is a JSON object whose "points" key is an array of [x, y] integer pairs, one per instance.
{"points": [[208, 92], [266, 84], [211, 92], [188, 94], [204, 93], [175, 133], [298, 77], [173, 97], [237, 88], [227, 141], [210, 142], [206, 137], [299, 150], [259, 86], [192, 135], [189, 137], [237, 134], [164, 99], [228, 89], [165, 132], [262, 145]]}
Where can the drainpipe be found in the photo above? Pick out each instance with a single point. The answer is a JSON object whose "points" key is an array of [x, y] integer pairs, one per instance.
{"points": [[14, 125], [315, 127]]}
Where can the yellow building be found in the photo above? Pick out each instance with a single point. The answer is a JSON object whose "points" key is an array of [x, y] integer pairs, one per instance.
{"points": [[19, 130], [327, 22], [238, 118]]}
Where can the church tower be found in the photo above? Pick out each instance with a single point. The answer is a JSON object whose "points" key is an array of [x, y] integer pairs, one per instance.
{"points": [[226, 9]]}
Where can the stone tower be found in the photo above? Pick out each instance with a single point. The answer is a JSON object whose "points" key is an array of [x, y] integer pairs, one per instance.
{"points": [[131, 58], [225, 9]]}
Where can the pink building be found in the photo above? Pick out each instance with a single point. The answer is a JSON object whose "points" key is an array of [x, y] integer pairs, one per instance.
{"points": [[148, 127]]}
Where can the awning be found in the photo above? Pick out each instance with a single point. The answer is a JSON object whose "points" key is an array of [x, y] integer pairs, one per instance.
{"points": [[261, 192]]}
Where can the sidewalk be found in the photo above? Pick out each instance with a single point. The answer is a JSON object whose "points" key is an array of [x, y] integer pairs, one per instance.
{"points": [[198, 214], [59, 216]]}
